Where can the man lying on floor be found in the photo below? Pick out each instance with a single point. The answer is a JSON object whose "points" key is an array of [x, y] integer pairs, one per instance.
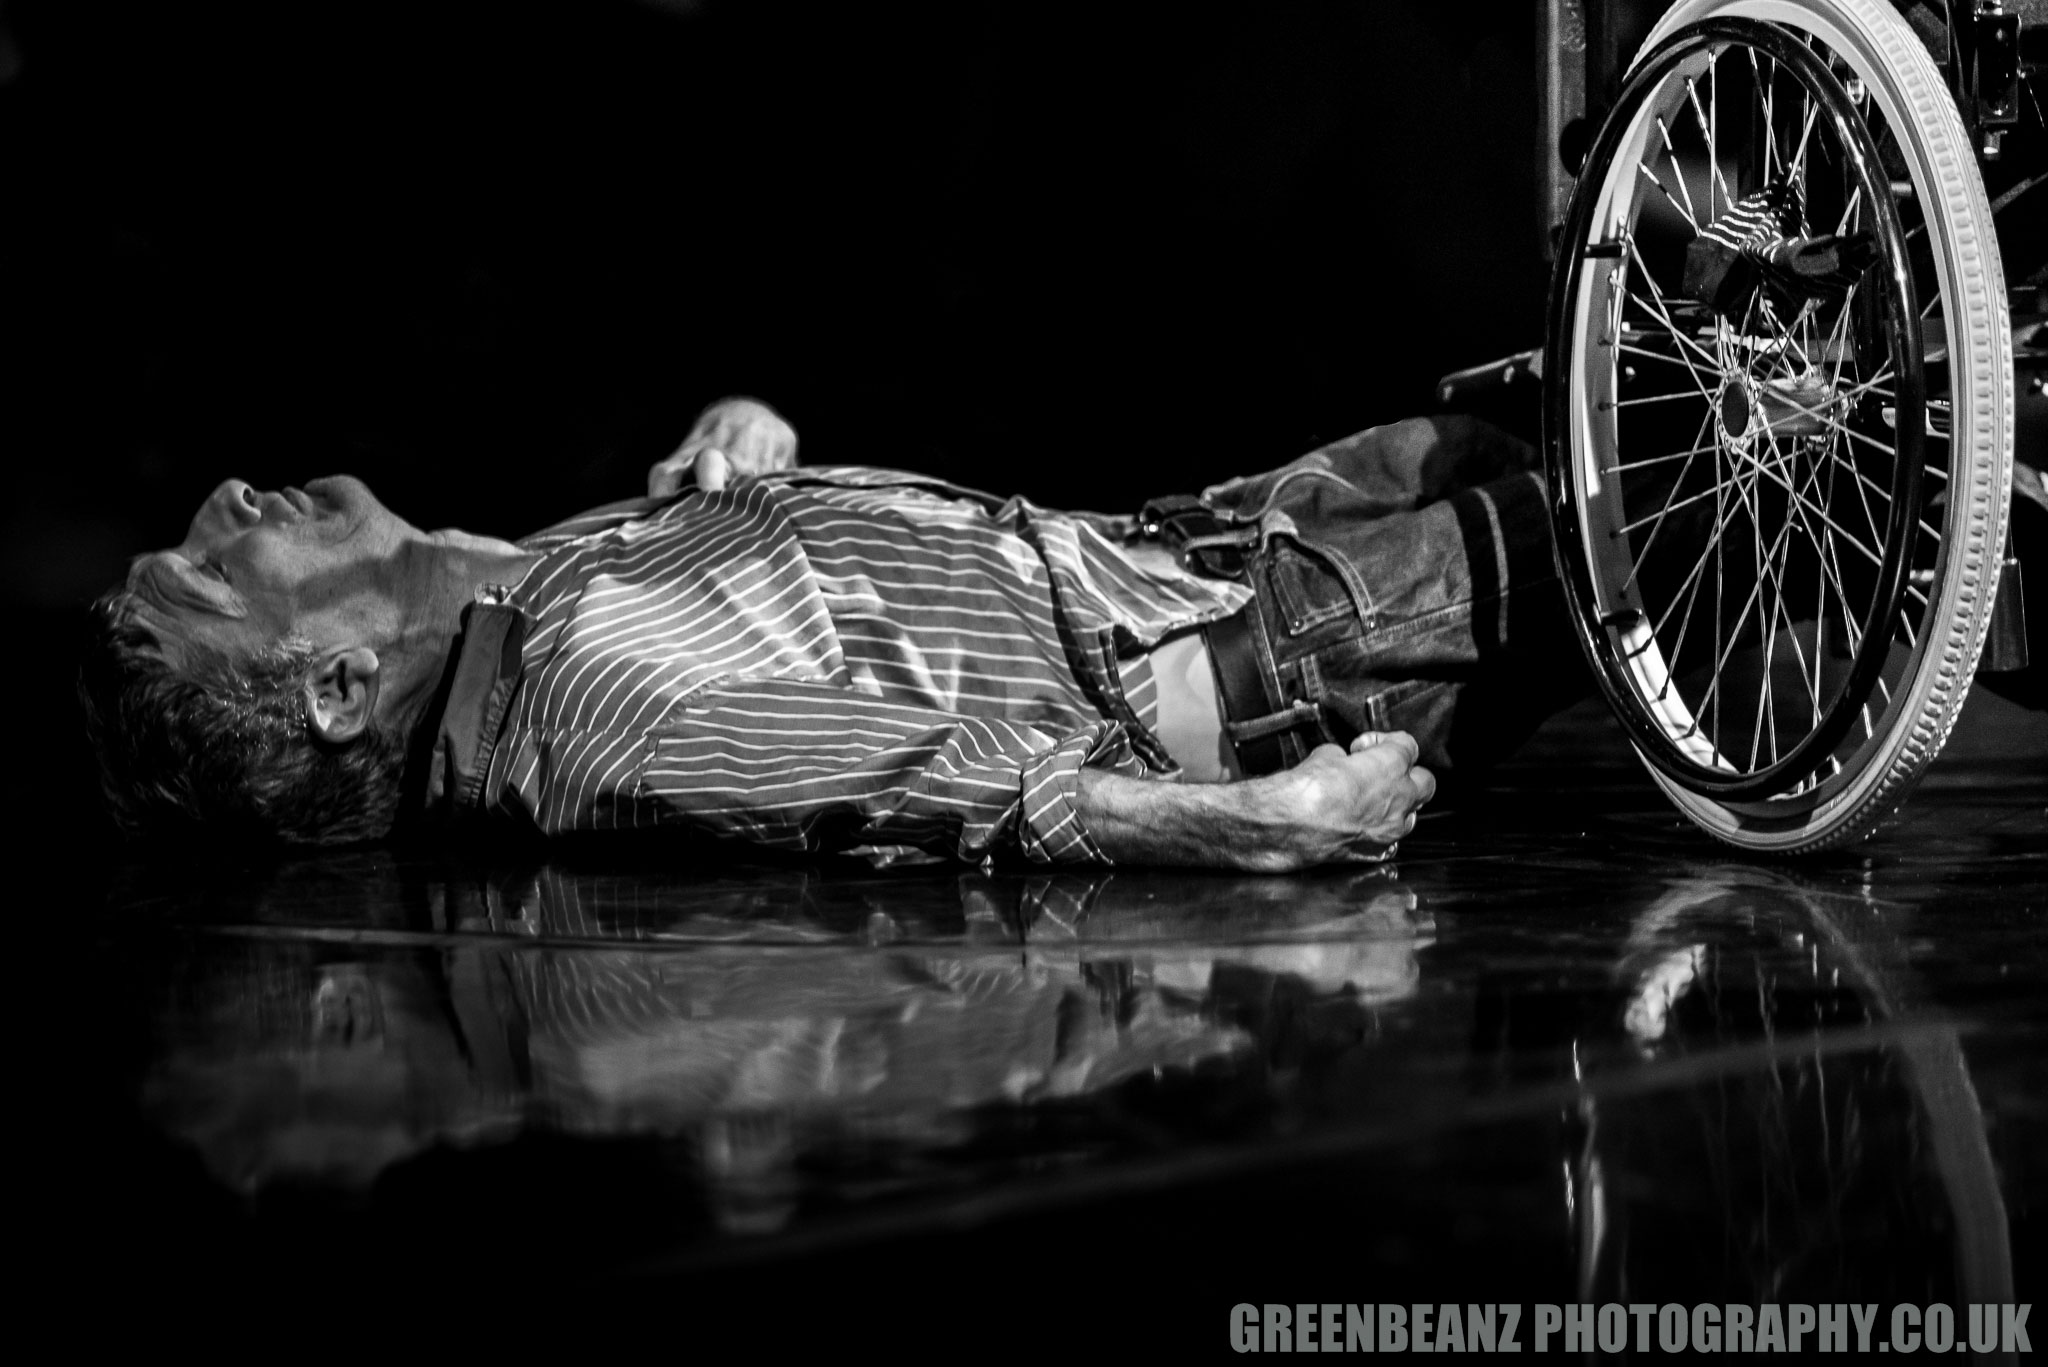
{"points": [[839, 658]]}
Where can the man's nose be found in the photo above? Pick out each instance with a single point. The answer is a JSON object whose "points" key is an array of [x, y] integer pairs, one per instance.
{"points": [[234, 502]]}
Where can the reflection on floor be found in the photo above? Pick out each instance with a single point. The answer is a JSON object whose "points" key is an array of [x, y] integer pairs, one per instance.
{"points": [[1566, 1049]]}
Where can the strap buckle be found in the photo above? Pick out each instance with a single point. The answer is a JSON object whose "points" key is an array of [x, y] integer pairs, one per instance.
{"points": [[1205, 543]]}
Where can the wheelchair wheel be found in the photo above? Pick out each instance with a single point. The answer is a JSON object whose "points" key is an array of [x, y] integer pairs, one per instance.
{"points": [[1778, 415]]}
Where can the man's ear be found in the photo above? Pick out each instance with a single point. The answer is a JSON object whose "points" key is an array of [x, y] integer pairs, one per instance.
{"points": [[341, 693]]}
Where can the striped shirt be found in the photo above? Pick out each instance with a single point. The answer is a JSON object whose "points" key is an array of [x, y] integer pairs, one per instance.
{"points": [[820, 660]]}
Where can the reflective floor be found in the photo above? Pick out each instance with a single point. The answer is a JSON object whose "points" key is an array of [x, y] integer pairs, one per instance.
{"points": [[1565, 1049]]}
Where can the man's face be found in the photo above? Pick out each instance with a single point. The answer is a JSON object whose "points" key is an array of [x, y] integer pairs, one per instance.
{"points": [[253, 566]]}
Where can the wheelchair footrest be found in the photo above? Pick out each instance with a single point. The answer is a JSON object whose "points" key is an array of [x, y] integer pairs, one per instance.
{"points": [[1463, 386]]}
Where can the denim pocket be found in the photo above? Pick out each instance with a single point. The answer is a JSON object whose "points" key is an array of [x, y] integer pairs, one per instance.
{"points": [[1307, 592]]}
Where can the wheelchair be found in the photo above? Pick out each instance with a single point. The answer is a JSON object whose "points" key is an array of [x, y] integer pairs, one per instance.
{"points": [[1781, 375]]}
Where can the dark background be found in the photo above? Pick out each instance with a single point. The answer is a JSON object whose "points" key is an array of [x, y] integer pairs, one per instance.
{"points": [[493, 257]]}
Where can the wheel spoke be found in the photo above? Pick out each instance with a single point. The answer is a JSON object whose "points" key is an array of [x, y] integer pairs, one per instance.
{"points": [[1714, 684], [1831, 569], [1695, 580], [1767, 620], [1760, 561], [1782, 332], [1657, 306], [1720, 605], [1862, 481], [1842, 395], [1809, 671], [1660, 513], [1797, 173], [1830, 563], [1646, 398], [1620, 467], [1873, 385], [1783, 615], [1819, 512], [1838, 337], [1636, 563], [1820, 614], [1770, 115], [1677, 174], [1836, 461], [1714, 177], [1849, 210], [1713, 694], [1711, 362], [1651, 176], [1713, 540], [1867, 440], [1650, 355]]}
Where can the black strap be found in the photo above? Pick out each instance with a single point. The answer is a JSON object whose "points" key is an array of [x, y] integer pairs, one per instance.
{"points": [[1255, 721], [1205, 543], [1241, 685]]}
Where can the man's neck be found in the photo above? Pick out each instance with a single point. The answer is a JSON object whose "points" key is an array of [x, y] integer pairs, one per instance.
{"points": [[443, 571]]}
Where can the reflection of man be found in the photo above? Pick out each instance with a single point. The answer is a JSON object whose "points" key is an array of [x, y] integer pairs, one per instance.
{"points": [[839, 658], [290, 1060]]}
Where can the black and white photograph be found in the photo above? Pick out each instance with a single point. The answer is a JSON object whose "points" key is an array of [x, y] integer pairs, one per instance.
{"points": [[959, 680]]}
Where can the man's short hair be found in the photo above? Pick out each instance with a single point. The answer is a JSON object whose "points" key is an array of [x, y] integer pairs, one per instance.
{"points": [[218, 746]]}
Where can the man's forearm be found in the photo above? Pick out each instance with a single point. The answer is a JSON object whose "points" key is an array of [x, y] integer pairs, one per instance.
{"points": [[1332, 807], [1208, 825]]}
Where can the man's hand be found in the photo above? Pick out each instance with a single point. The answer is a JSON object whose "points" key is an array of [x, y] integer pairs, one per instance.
{"points": [[748, 436], [1336, 806], [1351, 805]]}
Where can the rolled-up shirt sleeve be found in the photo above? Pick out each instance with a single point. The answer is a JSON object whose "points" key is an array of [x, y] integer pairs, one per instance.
{"points": [[818, 767]]}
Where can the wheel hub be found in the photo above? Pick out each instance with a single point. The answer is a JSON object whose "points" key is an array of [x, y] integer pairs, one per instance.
{"points": [[1798, 406], [1784, 409], [1735, 410]]}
